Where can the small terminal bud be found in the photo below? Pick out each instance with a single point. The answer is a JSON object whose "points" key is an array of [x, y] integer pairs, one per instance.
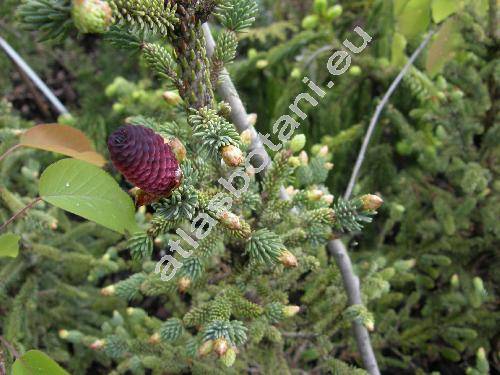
{"points": [[291, 191], [247, 137], [328, 166], [291, 310], [252, 119], [178, 149], [230, 220], [172, 97], [304, 159], [371, 202], [97, 344], [229, 357], [370, 325], [262, 64], [206, 348], [63, 333], [315, 195], [154, 339], [455, 281], [232, 155], [294, 161], [328, 198], [183, 284], [108, 291], [288, 259], [298, 142], [220, 346], [323, 151]]}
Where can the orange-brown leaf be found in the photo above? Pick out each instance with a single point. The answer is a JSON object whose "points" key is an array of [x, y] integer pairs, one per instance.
{"points": [[62, 139]]}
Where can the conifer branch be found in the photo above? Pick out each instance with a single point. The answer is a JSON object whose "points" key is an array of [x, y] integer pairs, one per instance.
{"points": [[239, 115]]}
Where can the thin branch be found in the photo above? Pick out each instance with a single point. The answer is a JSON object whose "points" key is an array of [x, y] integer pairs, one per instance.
{"points": [[4, 225], [9, 346], [18, 60], [10, 150], [239, 114], [337, 247], [378, 111]]}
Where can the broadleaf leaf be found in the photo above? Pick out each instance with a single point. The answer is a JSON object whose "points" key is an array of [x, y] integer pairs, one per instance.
{"points": [[62, 139], [9, 245], [88, 191], [35, 362]]}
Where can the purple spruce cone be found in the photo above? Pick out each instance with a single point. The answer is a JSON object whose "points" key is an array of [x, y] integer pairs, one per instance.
{"points": [[146, 161]]}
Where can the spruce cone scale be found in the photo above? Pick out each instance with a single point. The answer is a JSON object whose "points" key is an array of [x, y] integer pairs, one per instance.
{"points": [[145, 160]]}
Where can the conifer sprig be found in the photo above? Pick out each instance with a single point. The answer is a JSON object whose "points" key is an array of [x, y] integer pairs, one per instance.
{"points": [[155, 15]]}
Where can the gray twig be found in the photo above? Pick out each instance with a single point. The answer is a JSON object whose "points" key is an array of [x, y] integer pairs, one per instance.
{"points": [[26, 69], [337, 247], [378, 111]]}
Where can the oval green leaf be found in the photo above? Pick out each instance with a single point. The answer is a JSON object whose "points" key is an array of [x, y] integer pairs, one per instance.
{"points": [[87, 191], [35, 362], [9, 245], [414, 18]]}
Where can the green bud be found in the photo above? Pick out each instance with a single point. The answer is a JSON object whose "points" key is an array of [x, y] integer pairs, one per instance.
{"points": [[91, 16], [229, 357], [310, 22], [455, 281], [441, 83], [457, 94], [334, 12], [66, 119], [296, 73], [355, 71], [320, 6], [298, 142], [252, 53], [478, 284], [262, 64]]}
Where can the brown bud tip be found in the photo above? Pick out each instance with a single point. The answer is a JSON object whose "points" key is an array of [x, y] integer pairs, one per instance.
{"points": [[315, 195], [183, 284], [97, 344], [230, 220], [288, 259], [289, 311], [370, 326], [323, 151], [172, 97], [155, 338], [291, 191], [220, 346], [54, 225], [206, 348], [63, 333], [108, 291], [371, 202], [328, 198], [232, 155], [304, 159], [178, 149]]}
